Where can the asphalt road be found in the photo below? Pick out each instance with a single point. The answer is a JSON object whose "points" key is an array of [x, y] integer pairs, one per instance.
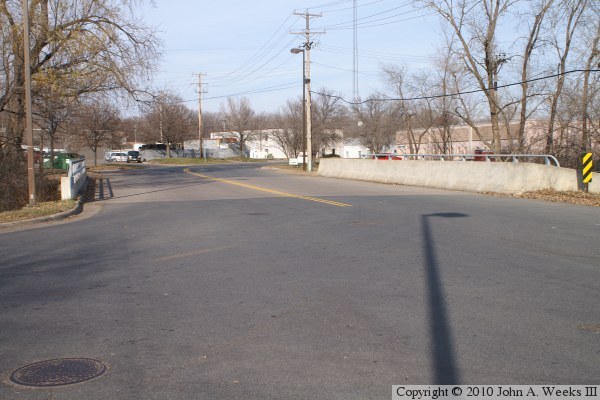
{"points": [[264, 285]]}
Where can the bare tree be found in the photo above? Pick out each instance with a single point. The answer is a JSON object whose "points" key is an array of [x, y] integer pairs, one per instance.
{"points": [[53, 111], [169, 121], [534, 18], [211, 122], [587, 89], [328, 114], [426, 117], [474, 24], [576, 126], [97, 122], [397, 80], [567, 18], [290, 135], [82, 46], [375, 129], [239, 118]]}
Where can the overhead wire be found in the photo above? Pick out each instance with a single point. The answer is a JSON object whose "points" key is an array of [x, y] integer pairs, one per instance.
{"points": [[344, 69], [438, 96], [387, 23], [264, 90], [260, 54], [351, 8], [249, 74], [376, 54], [273, 48], [372, 23], [334, 3], [368, 16]]}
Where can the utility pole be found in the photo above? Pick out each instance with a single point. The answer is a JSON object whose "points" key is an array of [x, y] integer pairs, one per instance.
{"points": [[160, 120], [28, 111], [308, 117], [200, 135]]}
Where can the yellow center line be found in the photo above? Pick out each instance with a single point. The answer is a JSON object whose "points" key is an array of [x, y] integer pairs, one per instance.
{"points": [[271, 191]]}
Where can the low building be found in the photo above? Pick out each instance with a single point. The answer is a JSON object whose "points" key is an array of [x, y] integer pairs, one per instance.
{"points": [[464, 139], [352, 148], [259, 145]]}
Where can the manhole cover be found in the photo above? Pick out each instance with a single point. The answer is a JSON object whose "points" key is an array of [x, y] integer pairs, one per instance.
{"points": [[59, 372]]}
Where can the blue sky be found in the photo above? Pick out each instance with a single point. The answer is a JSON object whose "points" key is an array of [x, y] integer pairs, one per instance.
{"points": [[244, 47]]}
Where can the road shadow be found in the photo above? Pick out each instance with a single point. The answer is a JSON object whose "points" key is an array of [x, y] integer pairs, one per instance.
{"points": [[443, 359], [100, 188], [156, 191], [104, 185]]}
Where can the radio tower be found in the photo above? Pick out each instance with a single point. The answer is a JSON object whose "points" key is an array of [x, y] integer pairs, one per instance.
{"points": [[355, 60]]}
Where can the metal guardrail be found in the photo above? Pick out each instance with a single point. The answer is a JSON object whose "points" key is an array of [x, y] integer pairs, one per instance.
{"points": [[549, 160]]}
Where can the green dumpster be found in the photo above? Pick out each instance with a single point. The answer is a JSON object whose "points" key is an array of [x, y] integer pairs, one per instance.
{"points": [[60, 161]]}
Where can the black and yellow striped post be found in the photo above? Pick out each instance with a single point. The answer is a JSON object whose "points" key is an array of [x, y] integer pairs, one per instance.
{"points": [[586, 168]]}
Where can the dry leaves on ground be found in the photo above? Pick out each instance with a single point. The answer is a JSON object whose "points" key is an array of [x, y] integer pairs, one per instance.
{"points": [[581, 198]]}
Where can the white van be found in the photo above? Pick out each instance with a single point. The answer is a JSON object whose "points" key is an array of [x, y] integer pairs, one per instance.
{"points": [[115, 156]]}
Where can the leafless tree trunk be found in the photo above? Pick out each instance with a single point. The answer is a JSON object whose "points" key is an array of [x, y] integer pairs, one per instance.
{"points": [[239, 117], [328, 113], [97, 122], [592, 59], [289, 136], [571, 12], [82, 46], [474, 25], [540, 10], [169, 121], [376, 129]]}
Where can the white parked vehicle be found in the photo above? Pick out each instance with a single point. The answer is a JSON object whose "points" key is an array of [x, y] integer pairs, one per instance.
{"points": [[108, 155], [115, 156]]}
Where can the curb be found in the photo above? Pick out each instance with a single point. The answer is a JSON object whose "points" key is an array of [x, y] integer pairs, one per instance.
{"points": [[288, 171], [49, 218]]}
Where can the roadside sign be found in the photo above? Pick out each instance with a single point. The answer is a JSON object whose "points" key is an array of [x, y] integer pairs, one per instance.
{"points": [[586, 165]]}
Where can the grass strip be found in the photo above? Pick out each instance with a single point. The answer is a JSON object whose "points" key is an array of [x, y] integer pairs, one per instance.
{"points": [[41, 210]]}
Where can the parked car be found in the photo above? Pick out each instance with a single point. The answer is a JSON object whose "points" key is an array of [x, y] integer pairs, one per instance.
{"points": [[119, 157], [134, 156], [108, 155], [480, 155]]}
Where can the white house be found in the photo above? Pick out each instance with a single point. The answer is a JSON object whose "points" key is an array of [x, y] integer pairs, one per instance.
{"points": [[260, 144], [351, 148]]}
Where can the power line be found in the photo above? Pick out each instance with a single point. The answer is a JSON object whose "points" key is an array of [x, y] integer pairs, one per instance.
{"points": [[384, 23], [351, 8], [377, 55], [346, 69], [334, 3], [366, 19], [260, 54], [248, 75], [455, 94], [265, 90]]}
